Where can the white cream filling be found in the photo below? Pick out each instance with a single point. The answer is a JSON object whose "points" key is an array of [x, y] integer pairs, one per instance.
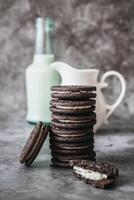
{"points": [[60, 92], [72, 107], [89, 174], [72, 121], [67, 92]]}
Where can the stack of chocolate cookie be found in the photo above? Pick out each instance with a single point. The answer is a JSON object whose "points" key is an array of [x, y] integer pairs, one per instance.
{"points": [[72, 122]]}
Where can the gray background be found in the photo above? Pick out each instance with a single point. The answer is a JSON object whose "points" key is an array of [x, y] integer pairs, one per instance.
{"points": [[88, 33]]}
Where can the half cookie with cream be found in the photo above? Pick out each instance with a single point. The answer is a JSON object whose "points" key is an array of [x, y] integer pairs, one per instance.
{"points": [[99, 175]]}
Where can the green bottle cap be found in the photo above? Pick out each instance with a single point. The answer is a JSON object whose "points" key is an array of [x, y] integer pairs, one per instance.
{"points": [[49, 28], [49, 24]]}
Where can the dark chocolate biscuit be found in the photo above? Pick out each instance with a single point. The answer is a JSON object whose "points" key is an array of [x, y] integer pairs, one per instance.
{"points": [[73, 92], [72, 111], [30, 142], [34, 144], [73, 88], [72, 135], [78, 139], [71, 151], [72, 146], [91, 154], [72, 107], [63, 135], [100, 175], [74, 96], [37, 146], [60, 131], [66, 104], [72, 119], [73, 126]]}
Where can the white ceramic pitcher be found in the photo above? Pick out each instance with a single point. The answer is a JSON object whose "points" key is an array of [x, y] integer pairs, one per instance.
{"points": [[73, 76]]}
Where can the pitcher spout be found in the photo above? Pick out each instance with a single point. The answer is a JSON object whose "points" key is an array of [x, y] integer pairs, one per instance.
{"points": [[61, 67], [73, 76], [64, 70]]}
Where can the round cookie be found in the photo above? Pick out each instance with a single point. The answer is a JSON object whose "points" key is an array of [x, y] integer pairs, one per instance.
{"points": [[30, 142], [72, 146], [73, 119], [72, 111], [74, 96], [72, 107], [68, 157], [34, 144], [71, 139], [73, 126], [73, 88], [63, 135], [37, 146], [70, 151], [72, 104], [73, 92], [61, 131]]}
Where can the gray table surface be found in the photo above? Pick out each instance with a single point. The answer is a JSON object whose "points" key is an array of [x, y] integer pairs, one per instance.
{"points": [[43, 182]]}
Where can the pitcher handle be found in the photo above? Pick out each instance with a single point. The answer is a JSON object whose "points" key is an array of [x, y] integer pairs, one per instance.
{"points": [[111, 108]]}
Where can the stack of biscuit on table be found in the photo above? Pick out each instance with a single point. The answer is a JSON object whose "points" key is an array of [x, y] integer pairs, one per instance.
{"points": [[71, 136], [72, 124]]}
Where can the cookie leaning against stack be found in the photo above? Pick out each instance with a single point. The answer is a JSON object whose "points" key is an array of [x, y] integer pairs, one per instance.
{"points": [[72, 122]]}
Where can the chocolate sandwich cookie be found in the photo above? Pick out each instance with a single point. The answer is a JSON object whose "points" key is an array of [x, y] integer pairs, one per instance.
{"points": [[73, 96], [72, 111], [73, 88], [73, 92], [100, 175], [89, 155], [63, 135], [71, 151], [83, 125], [72, 107], [71, 146], [68, 104], [72, 119], [30, 142], [71, 136], [34, 144], [60, 131], [72, 139]]}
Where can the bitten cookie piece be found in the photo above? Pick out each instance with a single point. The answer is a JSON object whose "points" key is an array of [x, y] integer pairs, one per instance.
{"points": [[99, 175], [34, 144]]}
